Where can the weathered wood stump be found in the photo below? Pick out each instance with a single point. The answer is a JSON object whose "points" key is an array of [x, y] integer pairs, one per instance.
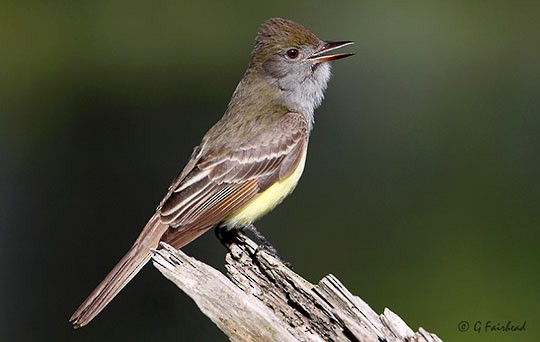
{"points": [[261, 299]]}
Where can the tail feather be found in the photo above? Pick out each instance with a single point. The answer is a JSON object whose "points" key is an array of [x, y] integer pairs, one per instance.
{"points": [[179, 238], [121, 274]]}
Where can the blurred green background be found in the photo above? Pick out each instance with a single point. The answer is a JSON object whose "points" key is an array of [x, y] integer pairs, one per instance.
{"points": [[421, 190]]}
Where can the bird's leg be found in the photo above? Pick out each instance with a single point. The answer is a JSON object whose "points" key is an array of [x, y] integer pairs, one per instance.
{"points": [[265, 245], [228, 236]]}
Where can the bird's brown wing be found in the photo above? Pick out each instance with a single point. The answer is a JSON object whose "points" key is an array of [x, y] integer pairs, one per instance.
{"points": [[219, 185], [211, 187]]}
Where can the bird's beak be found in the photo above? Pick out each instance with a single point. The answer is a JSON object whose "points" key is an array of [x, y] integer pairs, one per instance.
{"points": [[319, 57]]}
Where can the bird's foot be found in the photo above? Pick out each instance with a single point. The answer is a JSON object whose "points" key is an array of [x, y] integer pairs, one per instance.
{"points": [[228, 236], [265, 245]]}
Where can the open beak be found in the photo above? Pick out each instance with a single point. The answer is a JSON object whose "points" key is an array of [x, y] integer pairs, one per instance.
{"points": [[319, 57]]}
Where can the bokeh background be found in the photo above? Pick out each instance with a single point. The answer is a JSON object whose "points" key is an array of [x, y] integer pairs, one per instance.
{"points": [[421, 190]]}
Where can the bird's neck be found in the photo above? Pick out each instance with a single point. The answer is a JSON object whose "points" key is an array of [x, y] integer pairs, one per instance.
{"points": [[256, 94], [305, 96]]}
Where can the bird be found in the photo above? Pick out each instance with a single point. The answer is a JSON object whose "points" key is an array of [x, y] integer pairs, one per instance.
{"points": [[248, 162]]}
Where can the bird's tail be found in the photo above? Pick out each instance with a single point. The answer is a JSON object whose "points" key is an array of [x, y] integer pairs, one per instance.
{"points": [[121, 274]]}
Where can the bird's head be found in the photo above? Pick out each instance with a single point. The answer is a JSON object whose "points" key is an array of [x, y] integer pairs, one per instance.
{"points": [[293, 59]]}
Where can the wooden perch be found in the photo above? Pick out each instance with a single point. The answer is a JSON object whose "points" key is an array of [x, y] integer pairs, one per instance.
{"points": [[263, 300]]}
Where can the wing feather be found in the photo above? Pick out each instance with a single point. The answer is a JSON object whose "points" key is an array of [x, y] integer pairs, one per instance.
{"points": [[221, 183]]}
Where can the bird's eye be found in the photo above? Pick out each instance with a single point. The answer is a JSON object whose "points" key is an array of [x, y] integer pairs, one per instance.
{"points": [[292, 53]]}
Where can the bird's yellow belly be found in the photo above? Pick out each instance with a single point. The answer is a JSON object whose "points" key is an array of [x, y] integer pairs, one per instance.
{"points": [[266, 200]]}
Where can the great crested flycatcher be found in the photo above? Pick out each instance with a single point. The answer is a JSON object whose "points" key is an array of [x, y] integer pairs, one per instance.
{"points": [[248, 162]]}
